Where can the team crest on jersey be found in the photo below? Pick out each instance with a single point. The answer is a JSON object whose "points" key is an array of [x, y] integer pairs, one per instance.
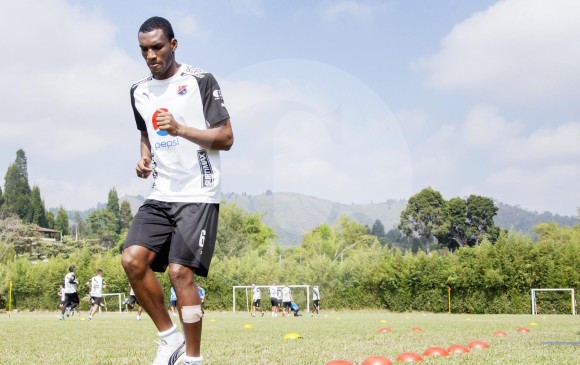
{"points": [[182, 90]]}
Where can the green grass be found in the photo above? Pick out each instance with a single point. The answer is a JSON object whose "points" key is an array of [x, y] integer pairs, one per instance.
{"points": [[112, 338]]}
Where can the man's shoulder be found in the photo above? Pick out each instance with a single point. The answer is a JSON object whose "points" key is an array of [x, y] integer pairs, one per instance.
{"points": [[197, 72], [142, 81]]}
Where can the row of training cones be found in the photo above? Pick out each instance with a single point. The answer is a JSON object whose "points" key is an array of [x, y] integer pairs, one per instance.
{"points": [[415, 357]]}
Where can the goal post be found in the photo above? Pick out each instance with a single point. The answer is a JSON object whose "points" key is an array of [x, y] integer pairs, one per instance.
{"points": [[572, 300], [302, 294], [116, 299]]}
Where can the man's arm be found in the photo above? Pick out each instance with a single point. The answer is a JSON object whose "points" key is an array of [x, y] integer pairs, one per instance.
{"points": [[218, 137], [143, 168]]}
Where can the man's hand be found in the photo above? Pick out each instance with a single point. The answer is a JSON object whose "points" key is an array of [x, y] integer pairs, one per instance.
{"points": [[166, 122], [143, 170]]}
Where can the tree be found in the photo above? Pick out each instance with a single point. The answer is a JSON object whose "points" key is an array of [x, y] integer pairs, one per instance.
{"points": [[423, 215], [103, 225], [467, 221], [61, 221], [38, 212], [378, 229], [113, 207], [16, 188], [1, 197], [49, 219], [78, 228], [125, 216]]}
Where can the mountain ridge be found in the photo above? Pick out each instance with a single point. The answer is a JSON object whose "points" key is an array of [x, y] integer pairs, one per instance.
{"points": [[291, 215]]}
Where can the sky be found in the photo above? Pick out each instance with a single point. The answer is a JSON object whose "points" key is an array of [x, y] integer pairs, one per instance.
{"points": [[350, 101]]}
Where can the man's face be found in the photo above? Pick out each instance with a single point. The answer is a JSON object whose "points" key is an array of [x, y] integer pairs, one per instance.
{"points": [[157, 51]]}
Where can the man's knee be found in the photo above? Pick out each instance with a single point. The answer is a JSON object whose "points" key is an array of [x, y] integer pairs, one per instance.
{"points": [[135, 259], [180, 276]]}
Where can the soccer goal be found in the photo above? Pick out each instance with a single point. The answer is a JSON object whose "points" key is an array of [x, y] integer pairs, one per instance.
{"points": [[572, 301], [299, 296], [115, 300]]}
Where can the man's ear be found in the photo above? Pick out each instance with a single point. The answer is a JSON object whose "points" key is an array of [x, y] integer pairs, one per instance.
{"points": [[173, 44]]}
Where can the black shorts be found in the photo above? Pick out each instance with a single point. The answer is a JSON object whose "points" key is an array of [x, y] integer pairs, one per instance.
{"points": [[133, 300], [287, 305], [97, 300], [317, 303], [70, 298], [180, 233], [274, 301], [257, 303]]}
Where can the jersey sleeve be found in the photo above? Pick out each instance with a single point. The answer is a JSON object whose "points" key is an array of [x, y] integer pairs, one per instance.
{"points": [[214, 109], [138, 118]]}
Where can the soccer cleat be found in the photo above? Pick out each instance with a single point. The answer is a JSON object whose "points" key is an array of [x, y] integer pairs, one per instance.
{"points": [[170, 354], [138, 318], [61, 318]]}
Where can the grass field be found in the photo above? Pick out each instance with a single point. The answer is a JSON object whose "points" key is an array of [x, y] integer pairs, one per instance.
{"points": [[113, 338]]}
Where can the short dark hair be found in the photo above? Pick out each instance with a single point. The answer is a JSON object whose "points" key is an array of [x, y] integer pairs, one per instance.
{"points": [[157, 22], [71, 268]]}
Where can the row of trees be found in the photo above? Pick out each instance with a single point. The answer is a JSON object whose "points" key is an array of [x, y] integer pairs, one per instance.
{"points": [[351, 267]]}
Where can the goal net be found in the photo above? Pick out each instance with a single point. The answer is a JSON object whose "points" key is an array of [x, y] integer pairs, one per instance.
{"points": [[242, 296], [535, 301], [113, 302]]}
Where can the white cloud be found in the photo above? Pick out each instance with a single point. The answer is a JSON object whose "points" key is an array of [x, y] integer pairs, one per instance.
{"points": [[516, 51], [485, 128], [67, 104]]}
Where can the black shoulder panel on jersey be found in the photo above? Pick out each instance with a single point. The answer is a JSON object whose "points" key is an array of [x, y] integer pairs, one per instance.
{"points": [[214, 109], [138, 118]]}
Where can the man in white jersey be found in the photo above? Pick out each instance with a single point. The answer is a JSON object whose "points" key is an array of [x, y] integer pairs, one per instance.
{"points": [[96, 286], [274, 299], [315, 301], [183, 124], [256, 298], [286, 300], [71, 297]]}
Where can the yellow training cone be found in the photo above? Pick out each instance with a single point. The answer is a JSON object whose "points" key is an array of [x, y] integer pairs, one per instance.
{"points": [[292, 336], [247, 326]]}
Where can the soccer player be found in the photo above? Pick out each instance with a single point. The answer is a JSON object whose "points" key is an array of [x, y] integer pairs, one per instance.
{"points": [[183, 124], [132, 301], [96, 286], [315, 301], [286, 300], [256, 300], [71, 297], [61, 295], [173, 302], [274, 299], [201, 293]]}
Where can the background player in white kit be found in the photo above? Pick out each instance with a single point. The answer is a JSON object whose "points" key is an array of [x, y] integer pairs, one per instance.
{"points": [[256, 298], [315, 301], [286, 300], [71, 297], [274, 299], [96, 286]]}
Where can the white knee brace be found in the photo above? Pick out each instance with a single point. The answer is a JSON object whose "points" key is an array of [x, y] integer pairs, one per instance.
{"points": [[191, 314]]}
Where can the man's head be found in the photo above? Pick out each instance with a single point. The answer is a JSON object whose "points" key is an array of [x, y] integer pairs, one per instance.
{"points": [[71, 268], [158, 44], [99, 272]]}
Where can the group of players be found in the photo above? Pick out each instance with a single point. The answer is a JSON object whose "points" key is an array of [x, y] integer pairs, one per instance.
{"points": [[281, 299], [69, 295]]}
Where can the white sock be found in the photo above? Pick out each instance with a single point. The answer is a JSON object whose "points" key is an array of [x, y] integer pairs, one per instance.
{"points": [[192, 360], [170, 336]]}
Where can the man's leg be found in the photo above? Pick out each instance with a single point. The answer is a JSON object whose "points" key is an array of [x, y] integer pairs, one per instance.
{"points": [[148, 290], [183, 281]]}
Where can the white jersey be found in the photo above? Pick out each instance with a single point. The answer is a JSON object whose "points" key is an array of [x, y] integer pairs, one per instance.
{"points": [[70, 284], [96, 284], [315, 294], [182, 170], [273, 291], [256, 293], [132, 292], [286, 295]]}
